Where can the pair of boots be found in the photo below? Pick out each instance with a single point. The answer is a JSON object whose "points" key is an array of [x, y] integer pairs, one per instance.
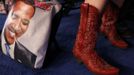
{"points": [[87, 35]]}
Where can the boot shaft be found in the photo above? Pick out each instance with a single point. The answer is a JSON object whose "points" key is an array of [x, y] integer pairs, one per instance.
{"points": [[87, 32], [91, 28], [110, 14]]}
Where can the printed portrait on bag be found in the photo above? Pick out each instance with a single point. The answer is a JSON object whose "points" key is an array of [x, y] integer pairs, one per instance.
{"points": [[26, 31], [17, 25], [20, 19]]}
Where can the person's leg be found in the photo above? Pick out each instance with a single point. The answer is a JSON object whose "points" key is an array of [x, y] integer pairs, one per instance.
{"points": [[108, 27], [84, 48], [99, 4]]}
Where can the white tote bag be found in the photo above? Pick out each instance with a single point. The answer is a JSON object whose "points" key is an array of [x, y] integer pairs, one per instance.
{"points": [[30, 47]]}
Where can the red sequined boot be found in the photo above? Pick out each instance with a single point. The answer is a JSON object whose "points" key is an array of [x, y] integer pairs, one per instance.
{"points": [[109, 19], [86, 41]]}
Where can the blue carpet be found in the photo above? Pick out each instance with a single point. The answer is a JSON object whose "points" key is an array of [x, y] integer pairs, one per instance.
{"points": [[63, 62]]}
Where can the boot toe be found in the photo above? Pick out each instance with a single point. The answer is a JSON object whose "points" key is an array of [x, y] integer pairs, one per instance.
{"points": [[108, 71], [120, 44]]}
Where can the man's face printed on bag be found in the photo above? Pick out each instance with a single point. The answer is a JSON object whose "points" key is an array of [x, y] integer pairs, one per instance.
{"points": [[20, 19]]}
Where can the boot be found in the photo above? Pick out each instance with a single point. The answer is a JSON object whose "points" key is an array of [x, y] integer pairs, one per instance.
{"points": [[109, 19], [86, 40]]}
